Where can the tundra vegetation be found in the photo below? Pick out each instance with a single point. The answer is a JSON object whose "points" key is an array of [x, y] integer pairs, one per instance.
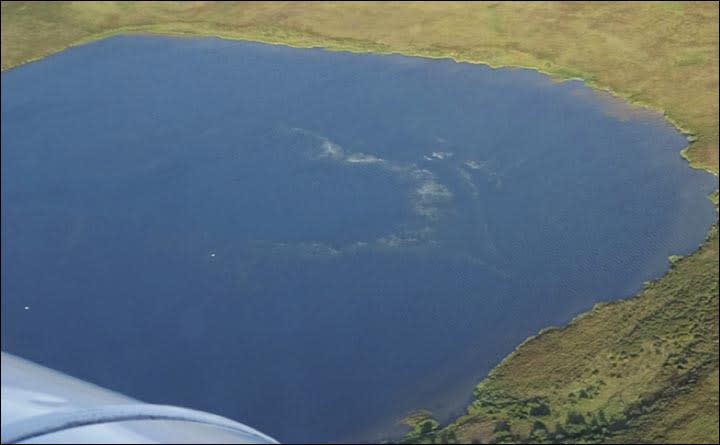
{"points": [[642, 369]]}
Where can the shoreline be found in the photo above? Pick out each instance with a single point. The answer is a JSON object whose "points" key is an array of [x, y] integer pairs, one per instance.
{"points": [[557, 74]]}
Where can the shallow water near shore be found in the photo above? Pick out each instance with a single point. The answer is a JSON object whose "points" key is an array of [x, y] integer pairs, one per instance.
{"points": [[315, 243]]}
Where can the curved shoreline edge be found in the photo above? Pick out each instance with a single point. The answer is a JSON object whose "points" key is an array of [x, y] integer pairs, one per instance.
{"points": [[309, 40], [559, 74]]}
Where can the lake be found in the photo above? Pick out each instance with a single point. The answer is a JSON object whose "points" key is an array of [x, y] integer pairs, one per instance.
{"points": [[315, 243]]}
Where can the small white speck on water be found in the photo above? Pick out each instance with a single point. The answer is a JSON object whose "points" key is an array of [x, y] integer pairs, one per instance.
{"points": [[27, 308], [212, 254]]}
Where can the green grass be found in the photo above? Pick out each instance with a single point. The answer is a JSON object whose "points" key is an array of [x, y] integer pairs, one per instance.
{"points": [[653, 375], [644, 369]]}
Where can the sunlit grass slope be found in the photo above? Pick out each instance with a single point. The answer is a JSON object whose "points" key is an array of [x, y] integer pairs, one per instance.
{"points": [[643, 369]]}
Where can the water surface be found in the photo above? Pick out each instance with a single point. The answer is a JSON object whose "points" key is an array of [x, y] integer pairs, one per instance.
{"points": [[315, 243]]}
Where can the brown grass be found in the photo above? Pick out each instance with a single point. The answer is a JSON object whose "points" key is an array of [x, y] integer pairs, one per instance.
{"points": [[656, 355]]}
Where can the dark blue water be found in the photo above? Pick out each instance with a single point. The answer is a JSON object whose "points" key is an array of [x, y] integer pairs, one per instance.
{"points": [[316, 243]]}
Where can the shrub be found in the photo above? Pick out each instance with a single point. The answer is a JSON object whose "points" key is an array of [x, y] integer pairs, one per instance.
{"points": [[559, 432], [501, 425], [602, 420], [618, 424], [540, 410], [427, 426], [575, 418]]}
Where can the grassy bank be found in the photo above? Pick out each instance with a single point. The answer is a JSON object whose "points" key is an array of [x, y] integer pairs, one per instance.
{"points": [[641, 369]]}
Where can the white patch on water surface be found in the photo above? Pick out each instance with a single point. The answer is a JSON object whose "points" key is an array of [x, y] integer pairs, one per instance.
{"points": [[300, 249], [484, 169], [363, 158], [331, 150], [421, 174], [320, 251], [438, 155], [474, 165], [468, 180], [334, 151], [358, 245], [434, 191], [426, 198], [429, 195], [412, 238], [394, 241], [441, 154]]}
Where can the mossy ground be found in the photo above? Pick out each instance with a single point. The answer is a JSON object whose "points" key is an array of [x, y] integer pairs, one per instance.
{"points": [[644, 369]]}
